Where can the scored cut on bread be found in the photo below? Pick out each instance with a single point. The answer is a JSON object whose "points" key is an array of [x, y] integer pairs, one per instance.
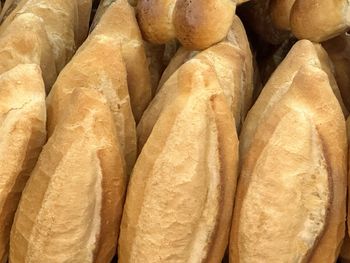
{"points": [[180, 196], [197, 24], [71, 206], [98, 65], [302, 53], [232, 61], [290, 201], [119, 22], [22, 134]]}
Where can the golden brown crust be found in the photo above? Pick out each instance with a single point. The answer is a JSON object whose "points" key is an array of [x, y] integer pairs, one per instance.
{"points": [[183, 215], [98, 65], [332, 22], [228, 61], [25, 41], [195, 23], [83, 192], [119, 22], [60, 18], [22, 133], [300, 94], [200, 24]]}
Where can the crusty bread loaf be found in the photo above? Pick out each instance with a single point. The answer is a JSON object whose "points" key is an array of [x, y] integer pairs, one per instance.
{"points": [[98, 65], [232, 63], [119, 22], [61, 20], [197, 24], [180, 197], [319, 20], [22, 134], [72, 204], [280, 13], [290, 201], [229, 74], [25, 41], [338, 50], [302, 53]]}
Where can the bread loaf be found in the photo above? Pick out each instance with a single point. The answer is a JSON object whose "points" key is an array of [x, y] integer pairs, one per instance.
{"points": [[25, 41], [119, 22], [232, 62], [72, 204], [319, 20], [22, 134], [61, 20], [290, 201], [338, 50], [302, 53], [98, 65], [180, 197], [197, 24]]}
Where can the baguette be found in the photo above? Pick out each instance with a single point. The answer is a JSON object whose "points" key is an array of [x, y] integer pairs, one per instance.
{"points": [[60, 18], [197, 24], [232, 62], [227, 61], [72, 204], [180, 197], [302, 53], [290, 201], [119, 22], [25, 41], [22, 133], [338, 50], [98, 65]]}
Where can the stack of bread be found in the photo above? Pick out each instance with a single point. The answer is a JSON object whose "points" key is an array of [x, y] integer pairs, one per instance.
{"points": [[173, 131]]}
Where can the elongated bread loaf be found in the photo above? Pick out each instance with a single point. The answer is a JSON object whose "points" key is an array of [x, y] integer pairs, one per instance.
{"points": [[180, 197], [302, 53], [232, 62], [290, 201], [338, 50], [98, 65], [197, 24], [22, 134], [119, 22], [319, 20], [25, 41], [72, 204], [61, 20]]}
